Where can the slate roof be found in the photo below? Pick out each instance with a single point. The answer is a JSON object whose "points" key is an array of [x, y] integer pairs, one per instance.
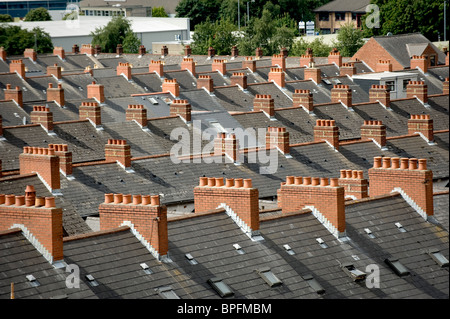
{"points": [[343, 5]]}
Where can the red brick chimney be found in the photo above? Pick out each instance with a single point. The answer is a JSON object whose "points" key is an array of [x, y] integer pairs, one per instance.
{"points": [[249, 63], [65, 158], [75, 49], [313, 73], [237, 196], [375, 131], [445, 87], [119, 49], [188, 64], [279, 60], [323, 196], [417, 89], [182, 108], [264, 102], [384, 66], [420, 62], [55, 94], [187, 50], [124, 68], [171, 86], [381, 94], [42, 161], [142, 50], [156, 67], [258, 53], [342, 93], [303, 98], [54, 70], [14, 94], [326, 130], [31, 54], [118, 151], [278, 76], [3, 54], [17, 66], [422, 124], [96, 91], [211, 52], [59, 51], [41, 223], [240, 79], [348, 69], [90, 111], [278, 137], [307, 58], [144, 214], [219, 65], [42, 115], [354, 183], [335, 57], [205, 81], [87, 49], [137, 113], [410, 177], [227, 146]]}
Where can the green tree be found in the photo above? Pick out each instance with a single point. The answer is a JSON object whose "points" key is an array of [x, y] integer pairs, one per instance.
{"points": [[219, 35], [198, 10], [38, 14], [114, 33], [6, 18], [159, 12], [131, 43], [349, 40], [318, 47], [404, 16], [15, 40]]}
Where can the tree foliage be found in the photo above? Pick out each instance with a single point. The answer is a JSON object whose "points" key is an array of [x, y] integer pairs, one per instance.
{"points": [[159, 12], [6, 18], [220, 35], [38, 14], [318, 47], [116, 32], [15, 40], [349, 40]]}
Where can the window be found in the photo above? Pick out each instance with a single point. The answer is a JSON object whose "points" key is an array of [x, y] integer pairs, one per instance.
{"points": [[438, 257], [339, 16], [352, 272], [397, 266], [167, 292], [405, 84], [313, 283], [269, 277], [324, 16], [354, 16], [220, 287], [390, 86], [433, 60]]}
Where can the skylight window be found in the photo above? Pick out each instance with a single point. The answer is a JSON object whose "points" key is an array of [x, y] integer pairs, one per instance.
{"points": [[220, 287], [400, 227], [327, 81], [353, 272], [321, 243], [369, 233], [438, 257], [313, 283], [239, 249], [146, 269], [91, 280], [269, 277], [289, 249], [153, 100], [33, 281], [167, 292], [191, 259], [397, 266]]}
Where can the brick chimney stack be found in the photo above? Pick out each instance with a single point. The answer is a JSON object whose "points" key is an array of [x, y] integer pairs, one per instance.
{"points": [[137, 113], [419, 62], [142, 50], [326, 130], [17, 66], [40, 222], [354, 184], [381, 94], [417, 89], [258, 53], [205, 81], [3, 54], [182, 108], [313, 73], [384, 66], [54, 70], [264, 102], [14, 94], [124, 68], [31, 54], [227, 146], [342, 93], [237, 196], [75, 49], [322, 195], [156, 67], [118, 151], [87, 49], [119, 49], [249, 63], [240, 79], [188, 64], [42, 161], [96, 91], [219, 65], [279, 60], [171, 86], [90, 111], [335, 57], [278, 137], [445, 87], [187, 50], [55, 94], [307, 58], [144, 214], [59, 51], [65, 158], [303, 98], [422, 124], [375, 131], [42, 115], [348, 69], [278, 76], [408, 176]]}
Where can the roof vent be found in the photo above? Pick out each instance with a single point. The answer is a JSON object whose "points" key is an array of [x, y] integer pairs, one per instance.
{"points": [[91, 280], [369, 233], [289, 249], [239, 249], [146, 269], [321, 243], [353, 272], [400, 227], [191, 259], [153, 100], [33, 281]]}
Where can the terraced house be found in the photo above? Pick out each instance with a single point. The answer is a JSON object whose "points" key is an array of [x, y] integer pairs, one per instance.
{"points": [[168, 176]]}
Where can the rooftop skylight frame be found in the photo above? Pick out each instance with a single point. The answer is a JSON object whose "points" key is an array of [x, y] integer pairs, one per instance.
{"points": [[167, 292], [369, 233], [321, 243], [288, 249], [438, 257], [314, 284], [269, 277], [33, 281], [220, 287], [400, 227], [353, 272], [191, 259], [91, 280], [239, 249], [146, 268], [397, 266]]}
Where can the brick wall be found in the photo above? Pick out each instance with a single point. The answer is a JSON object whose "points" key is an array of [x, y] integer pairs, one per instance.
{"points": [[354, 184], [372, 52], [156, 67], [42, 161], [119, 151]]}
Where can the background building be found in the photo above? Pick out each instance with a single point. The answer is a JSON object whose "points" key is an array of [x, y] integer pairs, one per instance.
{"points": [[19, 8], [131, 8]]}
